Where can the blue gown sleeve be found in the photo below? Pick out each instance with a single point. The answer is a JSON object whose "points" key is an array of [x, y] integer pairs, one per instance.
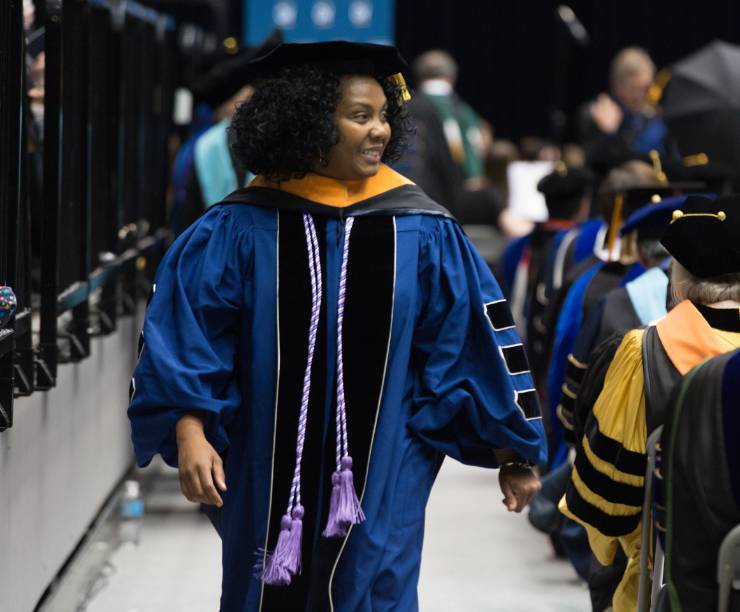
{"points": [[190, 337], [474, 392]]}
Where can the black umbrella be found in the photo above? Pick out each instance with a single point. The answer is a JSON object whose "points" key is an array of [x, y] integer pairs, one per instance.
{"points": [[701, 103]]}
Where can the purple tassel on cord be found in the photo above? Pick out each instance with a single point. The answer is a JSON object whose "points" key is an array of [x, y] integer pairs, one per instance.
{"points": [[349, 511], [334, 529], [275, 572], [344, 506], [292, 559]]}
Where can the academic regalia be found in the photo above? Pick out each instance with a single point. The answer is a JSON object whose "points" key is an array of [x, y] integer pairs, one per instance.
{"points": [[701, 470], [216, 169], [606, 489], [599, 279], [445, 151], [432, 366], [585, 293], [637, 303], [528, 264], [205, 170], [523, 269], [184, 183], [428, 161], [571, 253]]}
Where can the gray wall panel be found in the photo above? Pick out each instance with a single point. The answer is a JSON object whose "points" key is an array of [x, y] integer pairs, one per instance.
{"points": [[58, 463]]}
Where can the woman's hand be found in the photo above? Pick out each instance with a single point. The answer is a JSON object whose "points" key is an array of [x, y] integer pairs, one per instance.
{"points": [[200, 466], [519, 484]]}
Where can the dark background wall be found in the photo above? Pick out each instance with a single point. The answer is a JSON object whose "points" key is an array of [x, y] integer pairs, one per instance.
{"points": [[507, 50]]}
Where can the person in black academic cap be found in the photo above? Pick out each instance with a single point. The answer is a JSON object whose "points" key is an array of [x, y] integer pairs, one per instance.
{"points": [[605, 492], [626, 189], [321, 339]]}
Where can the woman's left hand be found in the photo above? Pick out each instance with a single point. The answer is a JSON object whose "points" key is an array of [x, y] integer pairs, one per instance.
{"points": [[519, 484]]}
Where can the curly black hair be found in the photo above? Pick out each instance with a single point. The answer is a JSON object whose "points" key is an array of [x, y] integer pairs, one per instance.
{"points": [[288, 124]]}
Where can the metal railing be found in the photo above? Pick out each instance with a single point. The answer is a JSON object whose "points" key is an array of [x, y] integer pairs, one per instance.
{"points": [[97, 209]]}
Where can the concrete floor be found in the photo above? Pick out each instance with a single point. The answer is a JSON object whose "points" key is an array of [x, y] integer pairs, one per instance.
{"points": [[477, 557]]}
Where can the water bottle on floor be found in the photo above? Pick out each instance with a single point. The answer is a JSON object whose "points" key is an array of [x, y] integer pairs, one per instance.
{"points": [[131, 514]]}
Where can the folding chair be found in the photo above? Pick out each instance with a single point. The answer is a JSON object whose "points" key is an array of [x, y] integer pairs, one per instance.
{"points": [[728, 565], [647, 595]]}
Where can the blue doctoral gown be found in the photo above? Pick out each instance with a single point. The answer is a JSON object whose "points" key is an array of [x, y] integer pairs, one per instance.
{"points": [[433, 368]]}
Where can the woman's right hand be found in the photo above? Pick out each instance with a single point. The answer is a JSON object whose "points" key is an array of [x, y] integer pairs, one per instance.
{"points": [[200, 466]]}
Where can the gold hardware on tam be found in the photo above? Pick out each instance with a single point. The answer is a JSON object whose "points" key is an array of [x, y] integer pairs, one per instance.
{"points": [[699, 159], [679, 214], [657, 166], [655, 198], [231, 45], [655, 91]]}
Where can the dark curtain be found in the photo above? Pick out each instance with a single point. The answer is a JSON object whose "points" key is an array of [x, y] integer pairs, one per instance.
{"points": [[507, 49]]}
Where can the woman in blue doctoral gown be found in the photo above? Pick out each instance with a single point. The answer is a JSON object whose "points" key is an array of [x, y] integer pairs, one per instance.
{"points": [[319, 341]]}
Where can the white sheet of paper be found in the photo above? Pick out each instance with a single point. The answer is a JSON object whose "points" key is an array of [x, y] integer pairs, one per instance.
{"points": [[524, 199]]}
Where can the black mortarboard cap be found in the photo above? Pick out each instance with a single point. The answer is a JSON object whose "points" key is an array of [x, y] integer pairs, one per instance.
{"points": [[564, 188], [227, 77], [704, 235], [717, 177], [340, 56]]}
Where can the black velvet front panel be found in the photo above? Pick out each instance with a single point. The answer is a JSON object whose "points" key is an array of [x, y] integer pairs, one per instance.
{"points": [[294, 305], [367, 328]]}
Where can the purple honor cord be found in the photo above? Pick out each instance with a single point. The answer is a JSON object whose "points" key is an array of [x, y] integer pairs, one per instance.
{"points": [[344, 507], [285, 561]]}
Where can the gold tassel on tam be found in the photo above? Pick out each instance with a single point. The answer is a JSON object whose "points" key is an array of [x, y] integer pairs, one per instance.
{"points": [[614, 224], [401, 82]]}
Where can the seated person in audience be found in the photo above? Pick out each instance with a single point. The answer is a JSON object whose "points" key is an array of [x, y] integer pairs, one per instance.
{"points": [[524, 263], [701, 483], [623, 124], [604, 266], [605, 493], [639, 302]]}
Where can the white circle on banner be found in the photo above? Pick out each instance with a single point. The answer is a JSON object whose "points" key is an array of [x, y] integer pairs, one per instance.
{"points": [[284, 14], [361, 13], [323, 14]]}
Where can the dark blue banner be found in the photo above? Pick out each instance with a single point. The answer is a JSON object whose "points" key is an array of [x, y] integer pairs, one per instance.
{"points": [[315, 20]]}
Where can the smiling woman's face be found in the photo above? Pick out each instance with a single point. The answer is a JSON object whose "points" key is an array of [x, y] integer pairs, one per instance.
{"points": [[364, 130]]}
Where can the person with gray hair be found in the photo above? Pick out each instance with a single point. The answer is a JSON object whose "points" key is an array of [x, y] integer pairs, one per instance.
{"points": [[624, 123], [606, 488]]}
